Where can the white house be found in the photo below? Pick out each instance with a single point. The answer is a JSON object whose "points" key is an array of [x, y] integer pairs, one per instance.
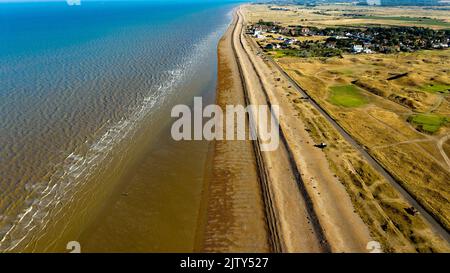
{"points": [[357, 48]]}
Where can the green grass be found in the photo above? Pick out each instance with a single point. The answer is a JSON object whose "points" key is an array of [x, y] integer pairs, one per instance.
{"points": [[429, 123], [436, 87], [347, 96]]}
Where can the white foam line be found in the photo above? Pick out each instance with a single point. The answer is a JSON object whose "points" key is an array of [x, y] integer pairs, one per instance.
{"points": [[80, 165]]}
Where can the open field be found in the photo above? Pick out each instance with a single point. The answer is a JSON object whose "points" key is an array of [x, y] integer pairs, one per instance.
{"points": [[379, 99], [347, 15]]}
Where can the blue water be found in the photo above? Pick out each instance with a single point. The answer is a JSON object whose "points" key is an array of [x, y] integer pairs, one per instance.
{"points": [[77, 81]]}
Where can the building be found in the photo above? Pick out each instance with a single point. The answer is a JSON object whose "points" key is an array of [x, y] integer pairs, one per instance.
{"points": [[305, 31], [357, 48], [256, 32], [289, 41]]}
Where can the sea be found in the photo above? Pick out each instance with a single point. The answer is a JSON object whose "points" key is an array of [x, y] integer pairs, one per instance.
{"points": [[86, 153]]}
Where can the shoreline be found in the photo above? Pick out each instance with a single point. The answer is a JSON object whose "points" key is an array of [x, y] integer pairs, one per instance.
{"points": [[325, 215], [293, 222], [313, 210], [234, 219], [306, 207]]}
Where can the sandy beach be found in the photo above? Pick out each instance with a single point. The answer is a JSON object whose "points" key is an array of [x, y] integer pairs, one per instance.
{"points": [[293, 199], [289, 201], [236, 219]]}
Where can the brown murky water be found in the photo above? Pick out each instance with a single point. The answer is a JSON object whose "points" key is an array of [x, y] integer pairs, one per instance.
{"points": [[156, 206], [85, 99]]}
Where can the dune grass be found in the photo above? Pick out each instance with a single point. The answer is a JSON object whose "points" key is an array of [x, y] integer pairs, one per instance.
{"points": [[429, 123], [347, 96]]}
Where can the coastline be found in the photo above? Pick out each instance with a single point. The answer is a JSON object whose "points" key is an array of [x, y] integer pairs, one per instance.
{"points": [[235, 218], [297, 217], [277, 216], [323, 216], [265, 194]]}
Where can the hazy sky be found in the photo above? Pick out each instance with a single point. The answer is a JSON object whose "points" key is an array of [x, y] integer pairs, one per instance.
{"points": [[100, 0], [85, 0]]}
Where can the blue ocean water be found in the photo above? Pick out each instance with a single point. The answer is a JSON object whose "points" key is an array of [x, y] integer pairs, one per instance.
{"points": [[77, 81]]}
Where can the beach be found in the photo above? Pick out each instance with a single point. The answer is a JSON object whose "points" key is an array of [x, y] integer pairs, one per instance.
{"points": [[309, 206], [235, 216], [88, 152], [292, 222]]}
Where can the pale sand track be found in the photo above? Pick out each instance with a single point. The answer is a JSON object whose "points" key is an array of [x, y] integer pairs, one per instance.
{"points": [[441, 150]]}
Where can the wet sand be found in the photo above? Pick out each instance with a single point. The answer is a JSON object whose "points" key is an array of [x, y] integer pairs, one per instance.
{"points": [[235, 218]]}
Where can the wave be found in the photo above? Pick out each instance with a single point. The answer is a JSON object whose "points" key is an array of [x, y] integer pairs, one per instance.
{"points": [[52, 197]]}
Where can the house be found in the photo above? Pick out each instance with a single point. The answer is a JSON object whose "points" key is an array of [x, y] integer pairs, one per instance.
{"points": [[440, 46], [357, 48], [257, 33], [289, 41]]}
